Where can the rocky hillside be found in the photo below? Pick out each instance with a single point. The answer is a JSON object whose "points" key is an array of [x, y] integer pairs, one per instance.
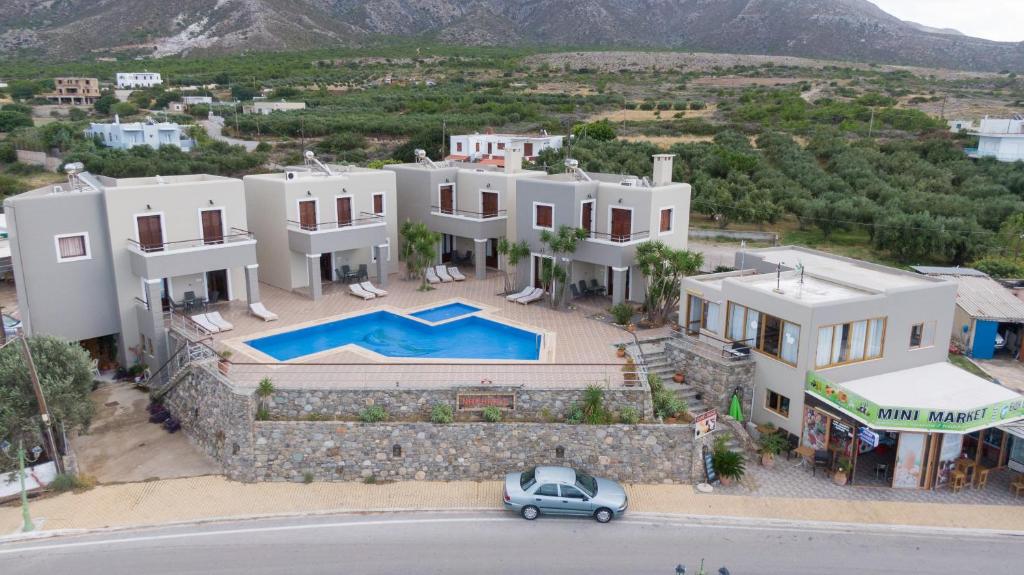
{"points": [[834, 29]]}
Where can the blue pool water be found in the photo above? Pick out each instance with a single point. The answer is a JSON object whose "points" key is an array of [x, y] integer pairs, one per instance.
{"points": [[436, 314], [394, 335]]}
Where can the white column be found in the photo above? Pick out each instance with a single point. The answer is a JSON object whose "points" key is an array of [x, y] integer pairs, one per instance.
{"points": [[252, 283], [619, 285], [313, 270], [480, 258]]}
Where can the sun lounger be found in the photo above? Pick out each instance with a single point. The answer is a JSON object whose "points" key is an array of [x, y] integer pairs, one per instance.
{"points": [[205, 323], [217, 320], [537, 295], [260, 311], [358, 291], [456, 274], [367, 286], [432, 276], [523, 293], [442, 272]]}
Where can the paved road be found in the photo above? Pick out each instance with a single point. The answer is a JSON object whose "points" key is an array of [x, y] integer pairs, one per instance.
{"points": [[214, 129], [498, 543]]}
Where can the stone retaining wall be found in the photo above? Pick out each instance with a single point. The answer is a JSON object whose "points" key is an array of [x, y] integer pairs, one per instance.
{"points": [[716, 379]]}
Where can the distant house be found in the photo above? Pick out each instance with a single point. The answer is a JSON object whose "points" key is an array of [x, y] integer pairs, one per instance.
{"points": [[264, 107], [138, 80], [958, 126], [1002, 139], [74, 91], [193, 100], [175, 106], [490, 148], [153, 134]]}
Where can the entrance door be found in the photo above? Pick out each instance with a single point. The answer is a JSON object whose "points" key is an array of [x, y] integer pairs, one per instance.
{"points": [[213, 227], [492, 253], [217, 286], [326, 267], [165, 295], [587, 217], [447, 246], [490, 148], [307, 215], [447, 199], [538, 267], [151, 233], [611, 282], [621, 225], [489, 204], [528, 149], [344, 212]]}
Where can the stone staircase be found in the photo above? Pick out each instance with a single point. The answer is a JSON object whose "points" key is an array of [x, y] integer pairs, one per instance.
{"points": [[658, 363]]}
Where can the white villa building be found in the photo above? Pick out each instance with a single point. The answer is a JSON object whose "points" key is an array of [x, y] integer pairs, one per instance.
{"points": [[490, 148], [1002, 139], [128, 80], [131, 134]]}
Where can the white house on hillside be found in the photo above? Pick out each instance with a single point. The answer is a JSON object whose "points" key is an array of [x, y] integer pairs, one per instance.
{"points": [[138, 80], [1002, 139], [148, 133], [490, 148]]}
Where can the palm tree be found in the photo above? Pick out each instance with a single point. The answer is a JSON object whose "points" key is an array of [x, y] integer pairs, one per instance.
{"points": [[562, 242], [419, 249], [664, 268], [514, 253]]}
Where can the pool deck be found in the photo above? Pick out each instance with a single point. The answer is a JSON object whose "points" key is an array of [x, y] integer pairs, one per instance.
{"points": [[580, 351]]}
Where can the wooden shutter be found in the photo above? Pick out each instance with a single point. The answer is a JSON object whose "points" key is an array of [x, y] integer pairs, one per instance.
{"points": [[490, 204], [151, 236], [621, 225], [344, 212], [378, 204], [666, 220], [447, 199], [213, 227], [544, 216], [307, 214], [587, 217]]}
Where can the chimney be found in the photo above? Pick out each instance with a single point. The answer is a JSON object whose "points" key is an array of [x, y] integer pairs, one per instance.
{"points": [[117, 119], [513, 158], [662, 169]]}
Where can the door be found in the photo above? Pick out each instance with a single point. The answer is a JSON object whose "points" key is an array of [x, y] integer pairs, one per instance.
{"points": [[447, 199], [492, 253], [587, 217], [151, 233], [538, 266], [326, 267], [489, 204], [574, 502], [984, 339], [621, 224], [344, 212], [165, 295], [447, 245], [490, 148], [307, 215], [528, 149], [217, 286], [547, 500], [213, 227]]}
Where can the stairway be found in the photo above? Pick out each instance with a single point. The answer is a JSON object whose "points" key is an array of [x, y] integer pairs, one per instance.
{"points": [[658, 363]]}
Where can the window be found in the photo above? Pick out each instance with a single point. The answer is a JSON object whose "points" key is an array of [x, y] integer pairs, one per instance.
{"points": [[72, 247], [543, 216], [666, 220], [501, 145], [702, 314], [548, 490], [767, 334], [571, 492], [777, 403], [850, 342], [378, 203], [922, 335], [458, 146]]}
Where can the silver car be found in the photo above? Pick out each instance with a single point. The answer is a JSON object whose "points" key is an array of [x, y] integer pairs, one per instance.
{"points": [[563, 491]]}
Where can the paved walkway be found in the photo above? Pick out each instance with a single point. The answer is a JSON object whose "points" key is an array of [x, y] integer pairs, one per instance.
{"points": [[210, 497], [1008, 372]]}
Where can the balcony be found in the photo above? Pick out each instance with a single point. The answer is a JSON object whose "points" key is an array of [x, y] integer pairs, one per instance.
{"points": [[171, 259], [325, 237], [467, 224], [615, 250]]}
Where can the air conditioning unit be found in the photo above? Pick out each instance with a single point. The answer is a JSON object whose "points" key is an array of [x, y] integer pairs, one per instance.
{"points": [[291, 175]]}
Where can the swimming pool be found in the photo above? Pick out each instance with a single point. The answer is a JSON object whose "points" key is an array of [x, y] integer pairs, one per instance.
{"points": [[394, 335], [441, 313]]}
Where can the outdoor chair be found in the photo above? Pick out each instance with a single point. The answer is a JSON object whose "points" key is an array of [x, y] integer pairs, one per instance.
{"points": [[469, 257], [362, 274], [216, 319], [596, 288], [537, 295], [794, 443], [822, 459], [1017, 486], [431, 275], [214, 297], [190, 301], [260, 311], [575, 291], [442, 272], [456, 274], [346, 274], [584, 289]]}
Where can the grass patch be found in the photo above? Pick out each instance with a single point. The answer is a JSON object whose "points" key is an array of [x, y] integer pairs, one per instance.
{"points": [[967, 365]]}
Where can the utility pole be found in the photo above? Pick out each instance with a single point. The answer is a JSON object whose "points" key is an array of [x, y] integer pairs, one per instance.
{"points": [[51, 444]]}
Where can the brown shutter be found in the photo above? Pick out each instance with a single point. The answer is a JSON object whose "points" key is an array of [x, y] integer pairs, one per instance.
{"points": [[344, 212], [378, 204], [544, 216], [307, 214], [151, 236], [213, 227], [666, 220]]}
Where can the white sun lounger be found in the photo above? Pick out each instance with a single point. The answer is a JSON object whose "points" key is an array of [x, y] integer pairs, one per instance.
{"points": [[367, 286], [537, 295], [523, 293], [202, 321], [432, 276], [456, 274], [442, 272], [358, 291], [259, 310], [219, 321]]}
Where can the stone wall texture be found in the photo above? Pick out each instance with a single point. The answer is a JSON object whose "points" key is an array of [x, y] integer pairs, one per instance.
{"points": [[716, 378], [404, 404], [287, 451]]}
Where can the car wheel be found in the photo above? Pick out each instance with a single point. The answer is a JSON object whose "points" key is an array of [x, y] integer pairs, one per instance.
{"points": [[530, 512], [603, 515]]}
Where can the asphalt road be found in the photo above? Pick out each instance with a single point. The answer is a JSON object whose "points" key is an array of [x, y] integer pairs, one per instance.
{"points": [[497, 543]]}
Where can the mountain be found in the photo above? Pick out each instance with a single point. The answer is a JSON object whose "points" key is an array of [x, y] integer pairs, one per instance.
{"points": [[833, 29]]}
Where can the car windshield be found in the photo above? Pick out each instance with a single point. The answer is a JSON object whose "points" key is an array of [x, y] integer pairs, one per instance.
{"points": [[526, 479], [588, 483], [9, 321]]}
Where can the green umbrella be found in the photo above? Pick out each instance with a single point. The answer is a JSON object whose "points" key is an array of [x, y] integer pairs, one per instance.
{"points": [[735, 411]]}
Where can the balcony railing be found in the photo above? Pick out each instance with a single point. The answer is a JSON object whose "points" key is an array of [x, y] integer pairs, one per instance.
{"points": [[236, 235], [618, 238], [713, 347], [468, 214], [365, 219]]}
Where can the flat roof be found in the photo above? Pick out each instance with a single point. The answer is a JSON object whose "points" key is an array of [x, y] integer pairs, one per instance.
{"points": [[844, 270], [159, 180], [811, 289], [933, 386]]}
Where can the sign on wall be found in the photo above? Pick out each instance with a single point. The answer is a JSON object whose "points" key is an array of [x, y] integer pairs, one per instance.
{"points": [[479, 401], [909, 461], [705, 423], [892, 417]]}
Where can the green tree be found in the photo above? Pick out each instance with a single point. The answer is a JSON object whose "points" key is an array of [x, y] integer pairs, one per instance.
{"points": [[601, 131], [664, 268], [23, 89], [9, 120], [124, 109], [558, 245], [241, 92], [419, 250], [104, 103], [514, 253], [65, 376]]}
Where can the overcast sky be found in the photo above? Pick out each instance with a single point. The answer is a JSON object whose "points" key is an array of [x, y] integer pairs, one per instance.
{"points": [[993, 19]]}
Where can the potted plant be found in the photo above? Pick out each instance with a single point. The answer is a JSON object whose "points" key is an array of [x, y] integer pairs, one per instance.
{"points": [[678, 376], [224, 364], [729, 465], [772, 444], [840, 476], [620, 350]]}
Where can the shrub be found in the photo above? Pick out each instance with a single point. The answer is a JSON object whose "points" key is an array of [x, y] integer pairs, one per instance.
{"points": [[441, 413], [575, 415], [697, 105], [629, 415], [594, 410], [373, 414], [492, 414], [307, 477], [773, 443], [729, 464], [622, 313], [71, 482], [262, 414], [668, 404], [7, 153]]}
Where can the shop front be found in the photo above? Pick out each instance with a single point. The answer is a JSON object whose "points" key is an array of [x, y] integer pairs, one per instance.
{"points": [[919, 428]]}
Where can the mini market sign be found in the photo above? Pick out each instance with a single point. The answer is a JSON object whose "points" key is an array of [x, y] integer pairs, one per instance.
{"points": [[913, 418]]}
